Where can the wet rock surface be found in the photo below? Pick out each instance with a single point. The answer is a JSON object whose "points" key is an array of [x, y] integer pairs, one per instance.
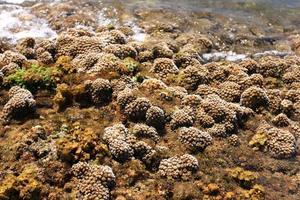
{"points": [[150, 104]]}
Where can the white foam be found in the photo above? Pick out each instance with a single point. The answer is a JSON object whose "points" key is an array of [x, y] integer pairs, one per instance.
{"points": [[273, 53], [15, 1], [17, 22], [224, 55], [103, 20], [138, 33]]}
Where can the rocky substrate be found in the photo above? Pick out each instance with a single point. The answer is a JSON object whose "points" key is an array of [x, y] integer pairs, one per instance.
{"points": [[97, 115]]}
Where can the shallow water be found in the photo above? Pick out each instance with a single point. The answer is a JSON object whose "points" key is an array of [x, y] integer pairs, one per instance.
{"points": [[284, 13]]}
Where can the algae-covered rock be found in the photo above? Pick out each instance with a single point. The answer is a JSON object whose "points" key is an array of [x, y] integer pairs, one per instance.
{"points": [[258, 140], [78, 145], [244, 177], [32, 77], [25, 186], [63, 97]]}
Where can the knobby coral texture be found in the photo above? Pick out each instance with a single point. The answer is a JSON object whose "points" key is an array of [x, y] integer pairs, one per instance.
{"points": [[95, 113]]}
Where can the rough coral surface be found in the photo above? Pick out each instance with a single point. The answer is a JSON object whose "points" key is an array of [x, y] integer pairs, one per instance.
{"points": [[137, 109], [178, 167], [93, 181], [278, 142], [194, 139], [10, 56], [142, 130], [20, 104], [181, 118], [254, 97], [117, 139], [100, 90], [164, 67], [281, 144], [155, 117]]}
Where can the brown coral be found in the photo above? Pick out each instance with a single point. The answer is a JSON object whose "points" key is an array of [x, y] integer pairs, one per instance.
{"points": [[178, 167], [20, 104]]}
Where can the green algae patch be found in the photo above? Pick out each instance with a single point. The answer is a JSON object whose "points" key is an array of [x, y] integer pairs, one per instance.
{"points": [[131, 65], [33, 77]]}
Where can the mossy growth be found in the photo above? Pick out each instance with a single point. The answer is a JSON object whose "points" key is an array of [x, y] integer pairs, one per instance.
{"points": [[131, 65], [24, 186], [139, 78], [32, 77], [244, 177], [63, 97], [257, 192], [63, 63]]}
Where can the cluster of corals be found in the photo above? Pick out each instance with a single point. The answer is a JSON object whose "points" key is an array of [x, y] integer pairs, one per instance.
{"points": [[281, 144], [99, 90], [75, 42], [292, 75], [220, 118], [155, 116], [194, 138], [186, 57], [271, 67], [20, 104], [178, 167], [124, 145], [163, 67], [191, 100], [45, 51], [124, 97], [121, 51], [233, 140], [192, 76], [145, 131], [93, 181], [205, 90], [215, 114], [196, 42], [162, 50], [281, 120], [117, 139], [97, 62], [182, 118], [137, 109], [215, 97], [122, 83], [229, 91], [216, 72], [254, 98], [12, 57], [26, 47], [9, 69], [278, 142]]}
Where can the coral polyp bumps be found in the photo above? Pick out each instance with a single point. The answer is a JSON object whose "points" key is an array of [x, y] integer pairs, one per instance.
{"points": [[166, 108]]}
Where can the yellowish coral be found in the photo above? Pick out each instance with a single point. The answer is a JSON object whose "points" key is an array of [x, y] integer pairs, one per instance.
{"points": [[258, 140], [244, 177]]}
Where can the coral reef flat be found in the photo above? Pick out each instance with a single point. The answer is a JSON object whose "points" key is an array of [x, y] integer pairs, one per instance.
{"points": [[152, 99]]}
